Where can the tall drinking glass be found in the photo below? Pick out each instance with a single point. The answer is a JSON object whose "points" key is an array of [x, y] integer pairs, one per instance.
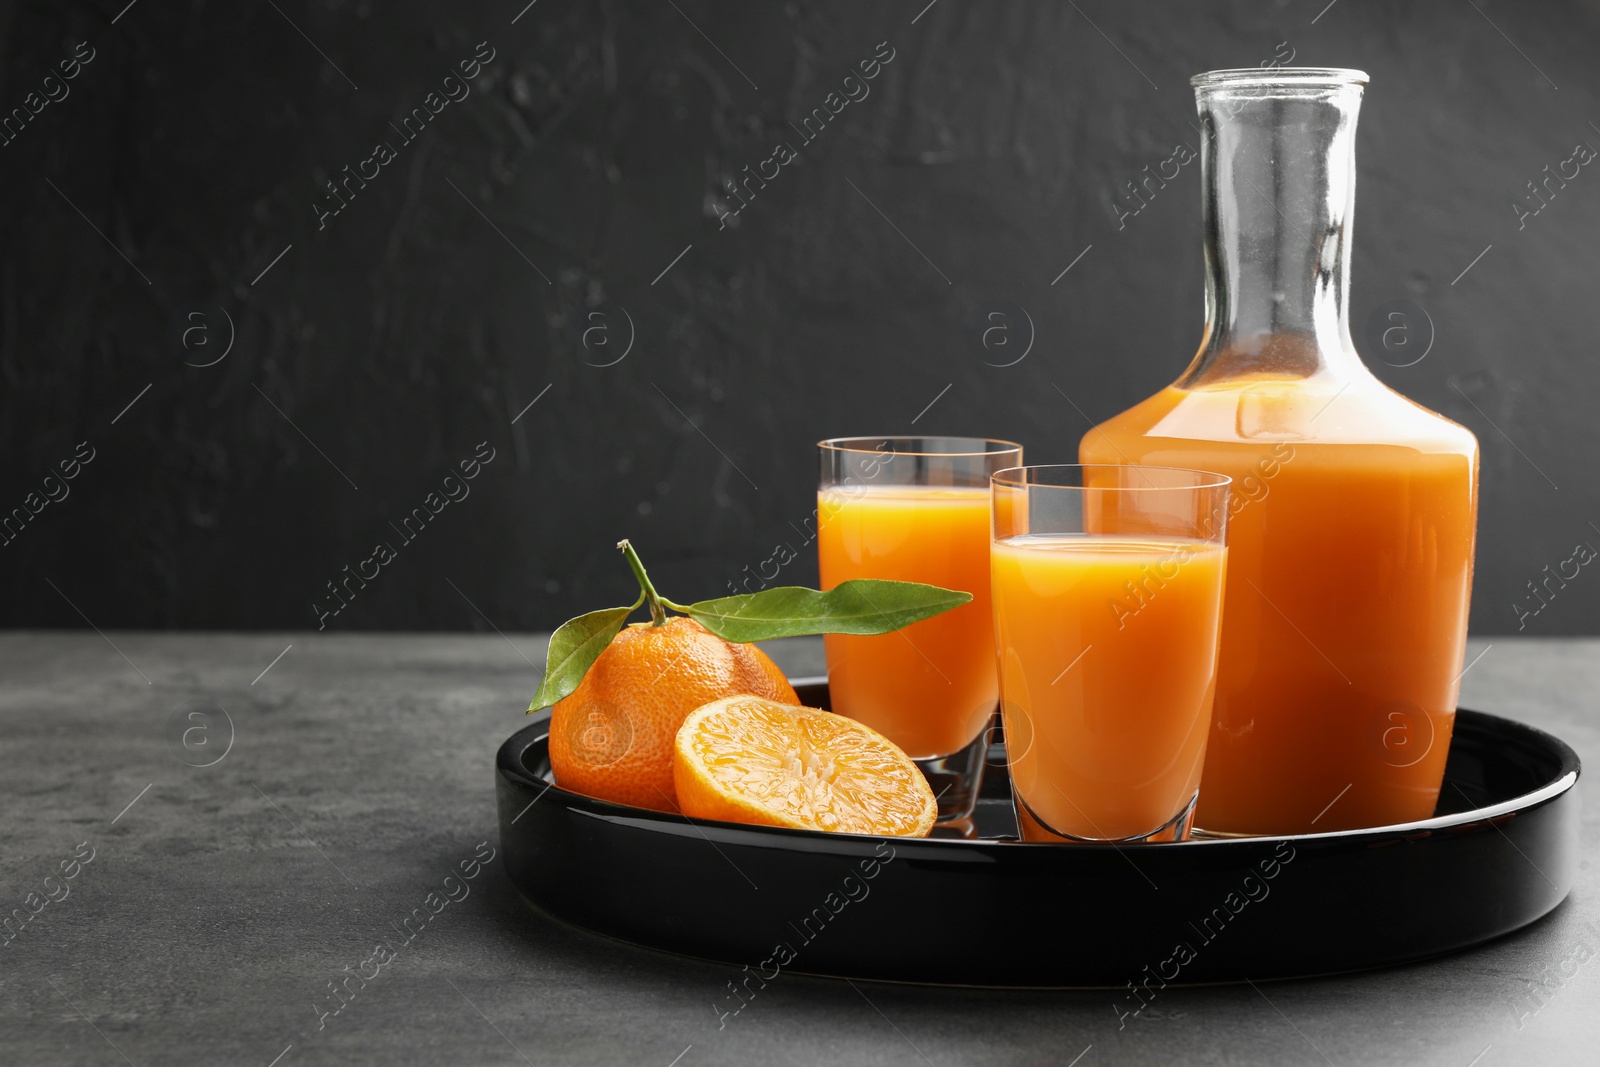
{"points": [[916, 509], [1107, 584]]}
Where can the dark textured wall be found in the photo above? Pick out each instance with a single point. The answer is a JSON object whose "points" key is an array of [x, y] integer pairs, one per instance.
{"points": [[578, 187]]}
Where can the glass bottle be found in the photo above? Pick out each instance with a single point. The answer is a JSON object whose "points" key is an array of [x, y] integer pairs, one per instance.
{"points": [[1353, 513]]}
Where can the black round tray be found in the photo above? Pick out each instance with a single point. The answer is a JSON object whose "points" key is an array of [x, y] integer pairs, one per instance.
{"points": [[1499, 853]]}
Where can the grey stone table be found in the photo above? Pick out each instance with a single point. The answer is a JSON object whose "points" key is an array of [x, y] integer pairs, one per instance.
{"points": [[187, 914]]}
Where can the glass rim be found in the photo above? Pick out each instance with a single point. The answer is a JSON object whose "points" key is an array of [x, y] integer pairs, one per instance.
{"points": [[1207, 479], [845, 444], [1286, 78]]}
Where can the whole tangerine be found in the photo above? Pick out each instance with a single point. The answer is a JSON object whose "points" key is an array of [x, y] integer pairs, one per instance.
{"points": [[612, 737]]}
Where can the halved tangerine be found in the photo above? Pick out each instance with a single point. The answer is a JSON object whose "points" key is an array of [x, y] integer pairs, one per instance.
{"points": [[751, 760]]}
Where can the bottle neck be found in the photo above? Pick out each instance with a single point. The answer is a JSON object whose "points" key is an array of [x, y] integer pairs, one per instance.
{"points": [[1278, 174]]}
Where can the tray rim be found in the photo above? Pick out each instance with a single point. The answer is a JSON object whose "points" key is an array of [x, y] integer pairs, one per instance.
{"points": [[508, 764]]}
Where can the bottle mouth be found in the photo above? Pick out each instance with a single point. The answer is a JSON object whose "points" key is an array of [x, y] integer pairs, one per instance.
{"points": [[1280, 79]]}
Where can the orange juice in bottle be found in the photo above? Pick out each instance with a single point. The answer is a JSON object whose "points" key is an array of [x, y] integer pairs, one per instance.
{"points": [[1353, 511]]}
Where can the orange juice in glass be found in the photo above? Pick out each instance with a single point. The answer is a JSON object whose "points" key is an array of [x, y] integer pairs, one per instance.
{"points": [[1107, 585], [916, 509]]}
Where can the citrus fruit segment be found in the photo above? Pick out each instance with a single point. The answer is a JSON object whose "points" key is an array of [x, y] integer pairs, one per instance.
{"points": [[612, 737], [746, 759]]}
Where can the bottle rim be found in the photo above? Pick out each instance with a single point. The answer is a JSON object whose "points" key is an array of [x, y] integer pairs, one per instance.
{"points": [[1287, 78]]}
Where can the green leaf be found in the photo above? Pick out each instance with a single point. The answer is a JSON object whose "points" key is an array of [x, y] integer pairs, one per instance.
{"points": [[573, 649], [860, 606]]}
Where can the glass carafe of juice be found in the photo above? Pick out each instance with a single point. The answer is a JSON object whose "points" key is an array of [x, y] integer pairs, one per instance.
{"points": [[1353, 511]]}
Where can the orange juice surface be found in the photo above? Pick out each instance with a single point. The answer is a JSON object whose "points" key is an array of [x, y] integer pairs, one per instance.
{"points": [[931, 687], [1350, 539], [1106, 710]]}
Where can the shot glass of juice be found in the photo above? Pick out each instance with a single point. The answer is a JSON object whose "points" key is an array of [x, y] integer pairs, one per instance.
{"points": [[916, 509], [1107, 585]]}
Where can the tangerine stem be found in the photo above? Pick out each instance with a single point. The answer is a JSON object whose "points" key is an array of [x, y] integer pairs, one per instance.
{"points": [[658, 614]]}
